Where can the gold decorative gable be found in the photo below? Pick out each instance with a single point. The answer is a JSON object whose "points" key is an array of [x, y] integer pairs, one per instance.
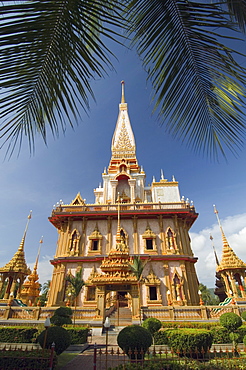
{"points": [[78, 201], [91, 277], [148, 234], [152, 279], [95, 235]]}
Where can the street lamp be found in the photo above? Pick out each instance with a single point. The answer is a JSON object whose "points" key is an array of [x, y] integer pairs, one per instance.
{"points": [[46, 325], [107, 326], [169, 302], [200, 296]]}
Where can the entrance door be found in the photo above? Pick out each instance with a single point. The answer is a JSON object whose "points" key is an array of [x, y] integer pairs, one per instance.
{"points": [[122, 298]]}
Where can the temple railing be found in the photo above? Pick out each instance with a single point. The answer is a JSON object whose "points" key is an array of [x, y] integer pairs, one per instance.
{"points": [[178, 313], [41, 313], [124, 207], [190, 312]]}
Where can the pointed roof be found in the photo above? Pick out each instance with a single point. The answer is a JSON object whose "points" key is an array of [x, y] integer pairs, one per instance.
{"points": [[123, 142], [229, 258], [18, 263]]}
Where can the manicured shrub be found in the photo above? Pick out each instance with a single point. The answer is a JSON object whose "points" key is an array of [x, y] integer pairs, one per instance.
{"points": [[17, 334], [134, 338], [78, 335], [152, 325], [62, 316], [220, 335], [58, 335], [19, 359], [243, 315], [190, 342], [160, 337], [230, 321]]}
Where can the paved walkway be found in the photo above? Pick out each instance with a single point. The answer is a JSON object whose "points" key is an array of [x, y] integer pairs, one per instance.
{"points": [[85, 359]]}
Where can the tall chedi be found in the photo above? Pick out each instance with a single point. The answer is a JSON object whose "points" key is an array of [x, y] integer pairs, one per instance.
{"points": [[154, 224], [15, 271], [231, 269]]}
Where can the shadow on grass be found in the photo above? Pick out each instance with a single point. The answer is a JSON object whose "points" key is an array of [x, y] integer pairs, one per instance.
{"points": [[64, 358]]}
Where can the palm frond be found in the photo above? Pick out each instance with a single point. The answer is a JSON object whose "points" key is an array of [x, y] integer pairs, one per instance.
{"points": [[76, 281], [50, 51], [198, 85], [238, 11], [137, 267]]}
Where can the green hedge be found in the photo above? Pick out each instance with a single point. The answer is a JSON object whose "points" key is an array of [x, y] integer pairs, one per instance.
{"points": [[191, 325], [190, 342], [17, 334], [221, 335], [78, 334], [19, 359], [160, 337], [22, 334]]}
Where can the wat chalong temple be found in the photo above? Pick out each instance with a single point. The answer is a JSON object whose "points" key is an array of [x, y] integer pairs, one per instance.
{"points": [[127, 220]]}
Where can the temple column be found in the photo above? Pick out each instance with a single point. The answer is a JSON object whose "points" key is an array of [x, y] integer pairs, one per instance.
{"points": [[114, 184], [100, 292], [162, 235], [132, 183], [109, 235], [135, 301], [135, 235]]}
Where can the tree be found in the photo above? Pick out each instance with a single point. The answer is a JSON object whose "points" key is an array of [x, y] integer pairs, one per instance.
{"points": [[77, 284], [208, 298], [44, 292], [51, 50], [137, 267]]}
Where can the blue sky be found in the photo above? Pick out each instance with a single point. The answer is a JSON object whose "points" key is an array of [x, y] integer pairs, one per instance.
{"points": [[74, 163]]}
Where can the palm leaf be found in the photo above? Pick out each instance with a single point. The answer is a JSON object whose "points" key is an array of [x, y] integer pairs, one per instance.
{"points": [[198, 85], [237, 10], [137, 266], [49, 53], [76, 281]]}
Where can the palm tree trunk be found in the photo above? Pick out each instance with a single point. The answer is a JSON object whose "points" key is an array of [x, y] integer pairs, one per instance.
{"points": [[139, 302]]}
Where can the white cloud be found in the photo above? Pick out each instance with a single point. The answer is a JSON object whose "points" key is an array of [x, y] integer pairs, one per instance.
{"points": [[234, 228]]}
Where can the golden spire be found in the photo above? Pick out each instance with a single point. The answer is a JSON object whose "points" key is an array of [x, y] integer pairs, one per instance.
{"points": [[21, 247], [18, 262], [122, 92], [215, 254], [229, 258]]}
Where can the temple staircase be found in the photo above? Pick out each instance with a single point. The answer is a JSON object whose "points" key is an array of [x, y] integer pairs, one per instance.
{"points": [[122, 316]]}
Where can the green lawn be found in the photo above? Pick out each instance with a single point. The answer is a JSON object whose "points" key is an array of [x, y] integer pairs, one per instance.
{"points": [[64, 358]]}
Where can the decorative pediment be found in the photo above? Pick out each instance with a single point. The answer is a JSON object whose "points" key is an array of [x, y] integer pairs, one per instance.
{"points": [[78, 201], [148, 234], [95, 235], [152, 279]]}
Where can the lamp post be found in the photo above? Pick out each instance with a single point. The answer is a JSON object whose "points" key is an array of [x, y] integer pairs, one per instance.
{"points": [[169, 302], [46, 325], [107, 326], [200, 296]]}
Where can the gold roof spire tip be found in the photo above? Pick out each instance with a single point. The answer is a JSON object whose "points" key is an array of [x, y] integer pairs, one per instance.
{"points": [[122, 92]]}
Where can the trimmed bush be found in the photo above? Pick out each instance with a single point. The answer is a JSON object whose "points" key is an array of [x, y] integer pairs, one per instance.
{"points": [[230, 321], [17, 334], [78, 335], [58, 335], [243, 315], [160, 337], [62, 316], [19, 359], [190, 342], [152, 325], [134, 338]]}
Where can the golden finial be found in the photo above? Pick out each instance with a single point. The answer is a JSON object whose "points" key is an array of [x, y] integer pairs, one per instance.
{"points": [[40, 244], [217, 215], [122, 92], [21, 247]]}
